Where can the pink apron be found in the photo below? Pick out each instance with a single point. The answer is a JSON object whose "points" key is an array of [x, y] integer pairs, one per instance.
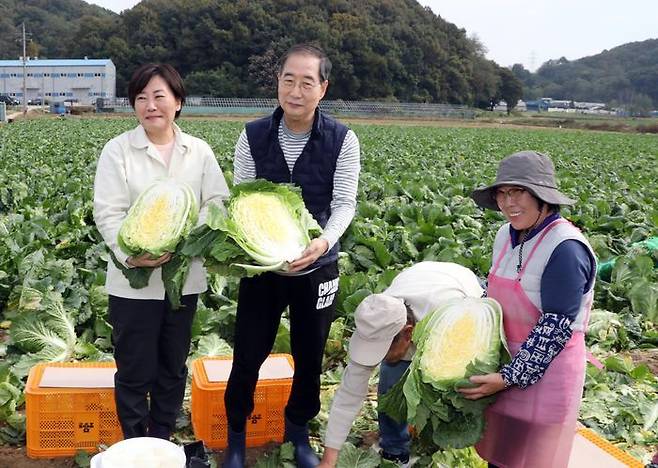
{"points": [[532, 427]]}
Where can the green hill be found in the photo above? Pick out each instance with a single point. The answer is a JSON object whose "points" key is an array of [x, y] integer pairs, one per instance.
{"points": [[627, 74], [381, 49], [52, 26]]}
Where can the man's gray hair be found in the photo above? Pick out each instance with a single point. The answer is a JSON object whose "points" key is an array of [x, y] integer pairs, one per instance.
{"points": [[308, 49]]}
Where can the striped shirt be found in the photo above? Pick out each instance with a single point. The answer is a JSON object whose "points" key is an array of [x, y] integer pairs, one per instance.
{"points": [[346, 176]]}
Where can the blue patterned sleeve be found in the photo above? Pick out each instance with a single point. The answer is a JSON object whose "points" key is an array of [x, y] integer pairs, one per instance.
{"points": [[544, 343]]}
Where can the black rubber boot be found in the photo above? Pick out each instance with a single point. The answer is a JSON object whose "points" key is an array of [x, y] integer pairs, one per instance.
{"points": [[234, 457], [195, 455], [298, 435]]}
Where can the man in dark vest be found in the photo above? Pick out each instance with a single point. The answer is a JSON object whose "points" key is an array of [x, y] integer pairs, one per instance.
{"points": [[297, 144]]}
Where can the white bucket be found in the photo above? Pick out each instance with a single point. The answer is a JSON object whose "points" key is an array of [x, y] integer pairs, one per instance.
{"points": [[140, 452]]}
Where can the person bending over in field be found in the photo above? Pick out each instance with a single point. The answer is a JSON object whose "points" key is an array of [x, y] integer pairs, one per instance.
{"points": [[384, 325]]}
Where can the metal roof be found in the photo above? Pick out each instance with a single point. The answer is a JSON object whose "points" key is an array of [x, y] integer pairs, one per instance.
{"points": [[56, 63]]}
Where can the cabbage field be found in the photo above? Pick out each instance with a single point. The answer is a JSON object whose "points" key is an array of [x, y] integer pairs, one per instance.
{"points": [[413, 205]]}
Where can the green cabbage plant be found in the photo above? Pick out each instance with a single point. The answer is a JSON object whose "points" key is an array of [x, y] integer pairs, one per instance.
{"points": [[264, 228], [163, 214], [460, 339]]}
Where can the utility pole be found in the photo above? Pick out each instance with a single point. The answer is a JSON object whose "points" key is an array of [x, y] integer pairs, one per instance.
{"points": [[24, 73]]}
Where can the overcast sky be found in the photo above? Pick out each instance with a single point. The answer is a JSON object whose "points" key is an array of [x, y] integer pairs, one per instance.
{"points": [[533, 31]]}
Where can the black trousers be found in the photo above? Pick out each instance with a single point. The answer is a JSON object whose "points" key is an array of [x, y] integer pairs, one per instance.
{"points": [[261, 301], [151, 344]]}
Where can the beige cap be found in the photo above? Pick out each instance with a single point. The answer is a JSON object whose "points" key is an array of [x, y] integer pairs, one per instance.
{"points": [[378, 319]]}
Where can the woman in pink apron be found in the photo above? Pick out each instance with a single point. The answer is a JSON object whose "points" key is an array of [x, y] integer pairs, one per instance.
{"points": [[543, 276]]}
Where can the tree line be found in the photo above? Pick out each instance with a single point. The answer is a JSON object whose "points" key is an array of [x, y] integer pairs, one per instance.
{"points": [[393, 50]]}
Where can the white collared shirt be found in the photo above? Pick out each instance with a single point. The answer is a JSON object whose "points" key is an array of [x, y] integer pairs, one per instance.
{"points": [[128, 164]]}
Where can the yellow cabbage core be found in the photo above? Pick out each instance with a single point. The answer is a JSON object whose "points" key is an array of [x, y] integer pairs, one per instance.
{"points": [[267, 223], [460, 333], [447, 354], [154, 220]]}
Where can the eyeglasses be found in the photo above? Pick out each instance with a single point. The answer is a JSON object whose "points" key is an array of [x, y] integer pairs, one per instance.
{"points": [[512, 193], [304, 85]]}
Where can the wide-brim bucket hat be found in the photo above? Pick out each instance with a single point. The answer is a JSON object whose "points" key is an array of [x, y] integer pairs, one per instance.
{"points": [[528, 169]]}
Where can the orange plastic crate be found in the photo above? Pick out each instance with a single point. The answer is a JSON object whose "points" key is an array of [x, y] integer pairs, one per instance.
{"points": [[60, 421], [266, 422]]}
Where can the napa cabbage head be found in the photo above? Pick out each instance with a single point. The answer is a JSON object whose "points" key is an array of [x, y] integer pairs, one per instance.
{"points": [[163, 214], [267, 229], [266, 226], [459, 334], [460, 338]]}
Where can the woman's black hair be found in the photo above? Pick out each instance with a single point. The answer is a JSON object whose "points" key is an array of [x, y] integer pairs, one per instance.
{"points": [[411, 318], [551, 207], [146, 72]]}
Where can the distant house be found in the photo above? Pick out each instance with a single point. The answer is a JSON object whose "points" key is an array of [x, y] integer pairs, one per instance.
{"points": [[560, 104], [538, 105], [502, 106], [565, 105], [592, 106], [77, 80]]}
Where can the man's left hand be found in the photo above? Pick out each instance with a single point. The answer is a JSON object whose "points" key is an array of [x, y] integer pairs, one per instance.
{"points": [[315, 250]]}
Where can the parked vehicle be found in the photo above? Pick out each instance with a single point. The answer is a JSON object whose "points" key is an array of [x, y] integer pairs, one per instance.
{"points": [[10, 101]]}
